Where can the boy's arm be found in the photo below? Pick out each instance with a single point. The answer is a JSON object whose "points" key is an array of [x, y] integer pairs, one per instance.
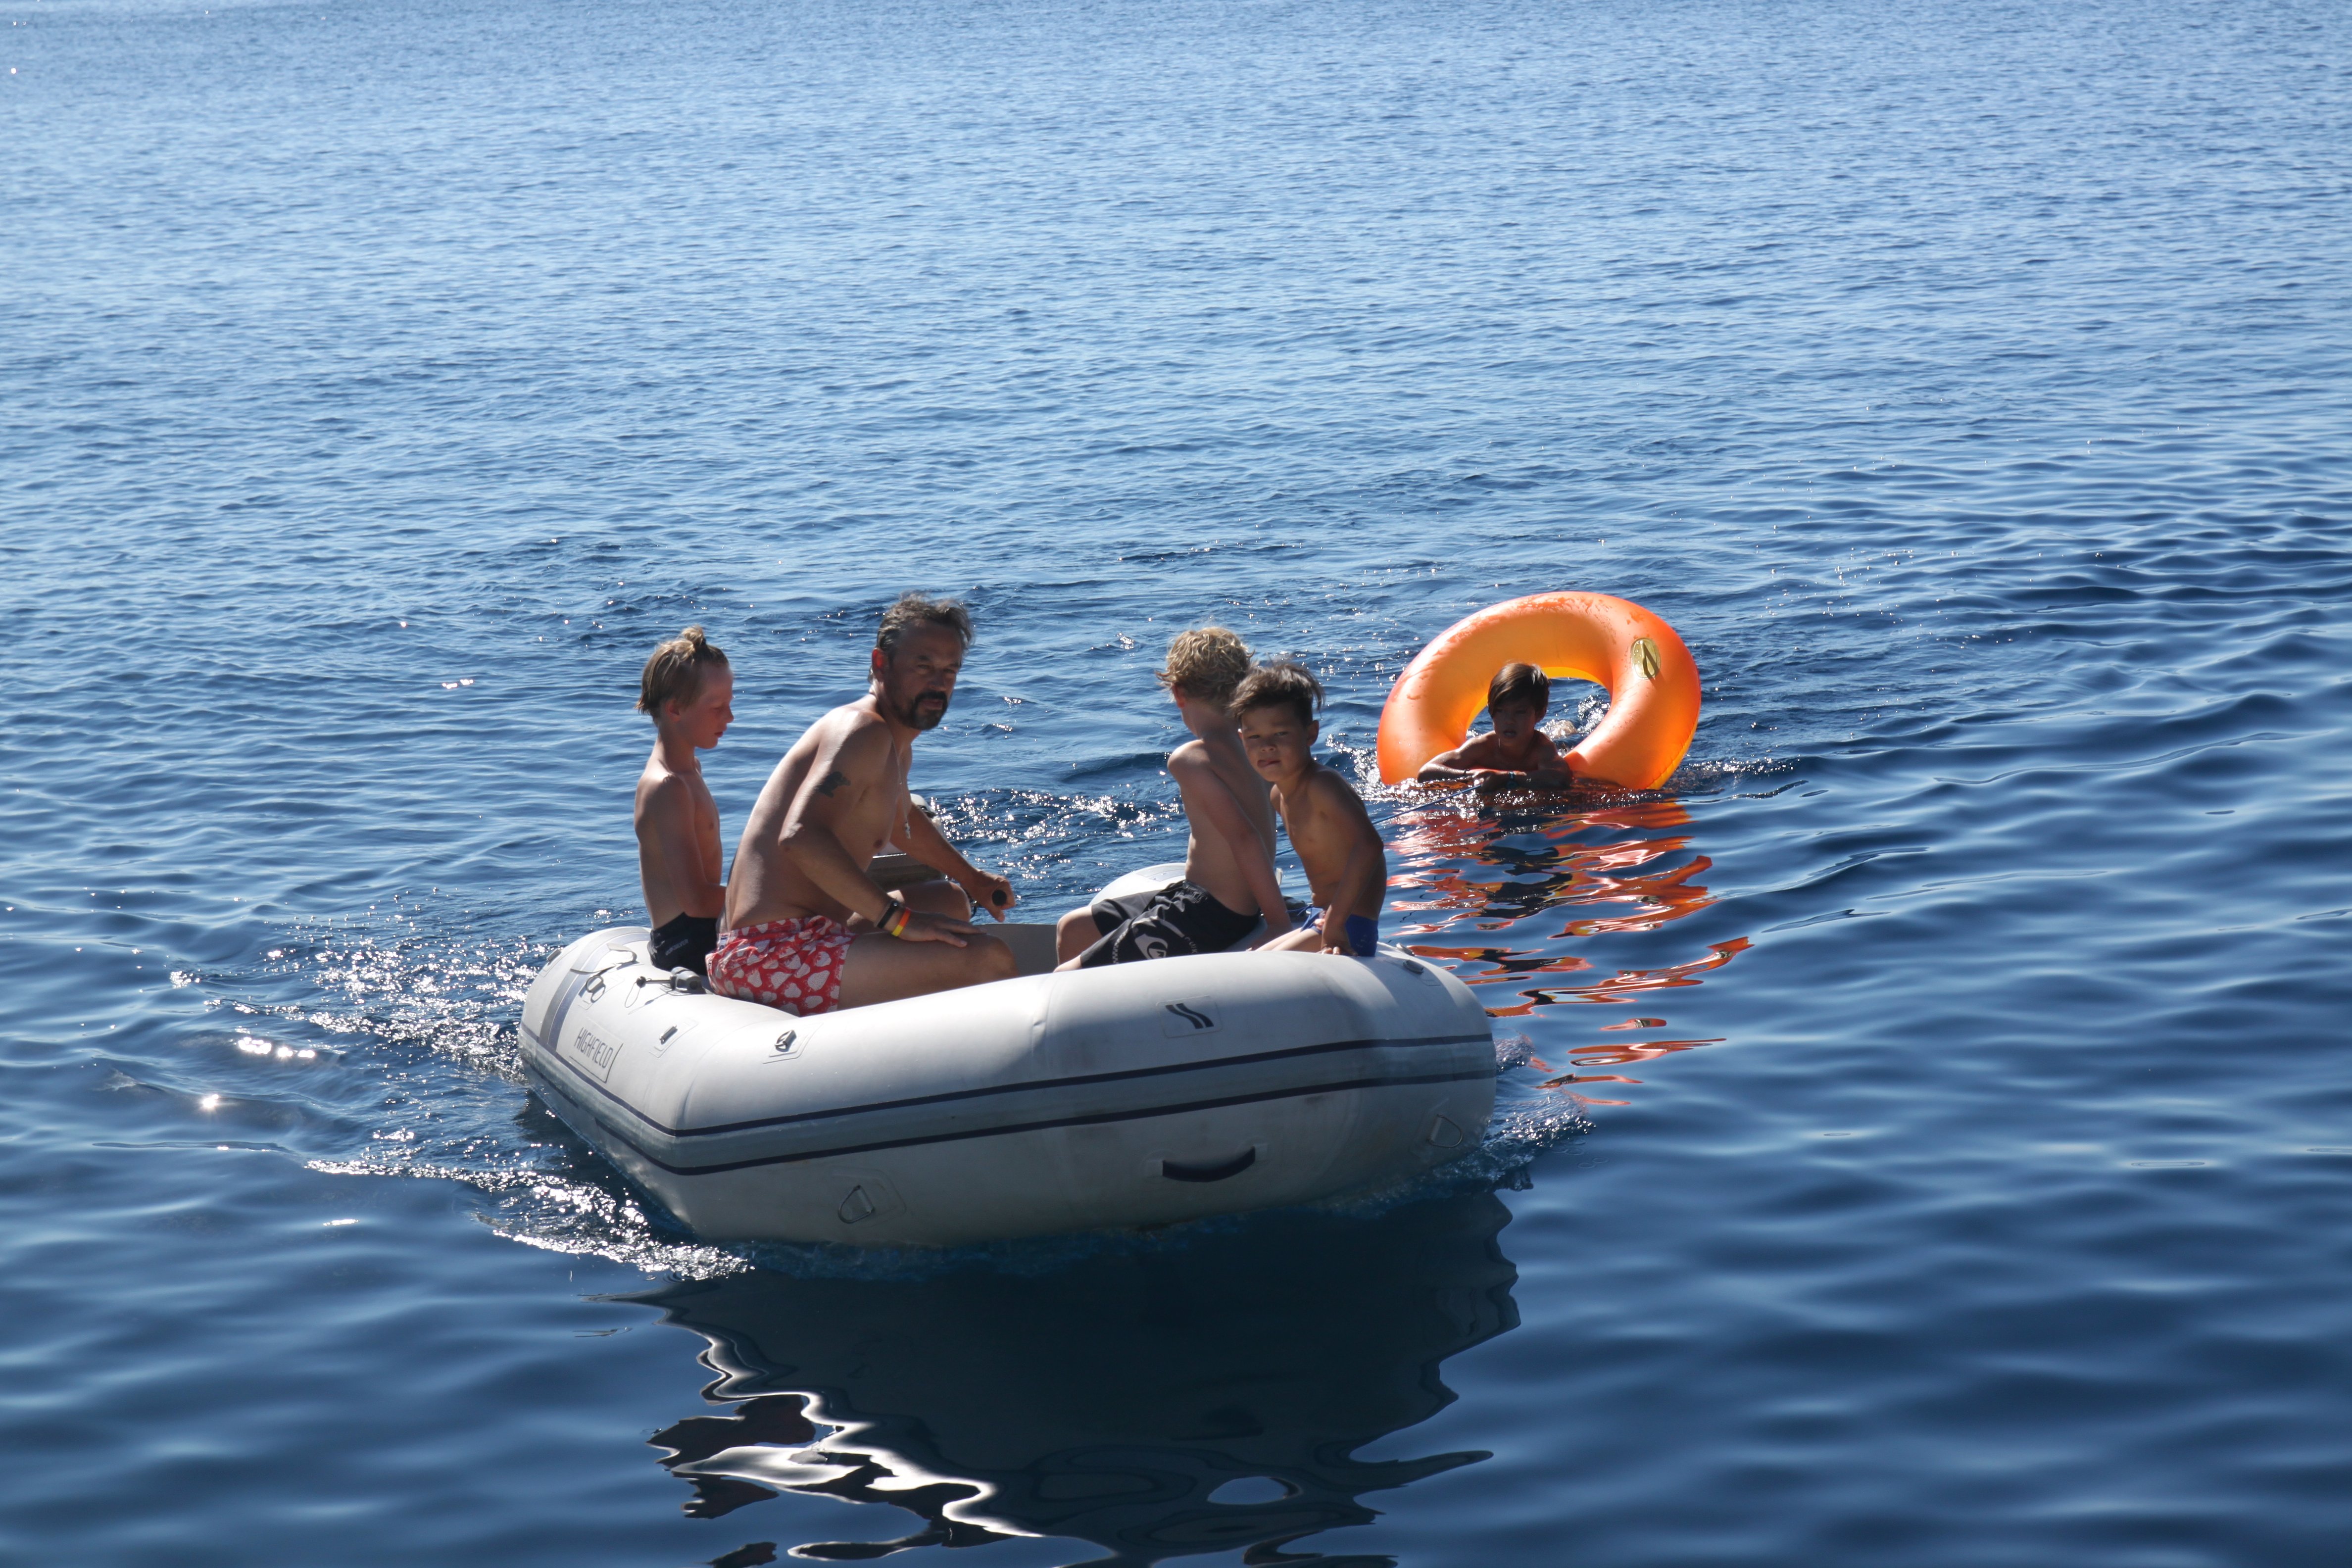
{"points": [[1471, 762], [1367, 865], [1445, 766], [1198, 777], [1551, 772], [669, 825], [922, 838]]}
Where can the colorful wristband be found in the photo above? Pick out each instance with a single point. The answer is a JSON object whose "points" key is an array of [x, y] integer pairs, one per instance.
{"points": [[896, 920]]}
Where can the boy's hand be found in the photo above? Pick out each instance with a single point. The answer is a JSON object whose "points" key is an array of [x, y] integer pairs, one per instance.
{"points": [[988, 891], [1335, 933], [1503, 778]]}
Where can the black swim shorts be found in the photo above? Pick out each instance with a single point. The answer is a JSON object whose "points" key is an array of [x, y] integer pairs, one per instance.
{"points": [[1180, 918], [685, 942]]}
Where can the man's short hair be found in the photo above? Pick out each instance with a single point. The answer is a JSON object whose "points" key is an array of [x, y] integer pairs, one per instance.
{"points": [[913, 610], [1206, 663], [1519, 684], [1282, 684], [674, 673]]}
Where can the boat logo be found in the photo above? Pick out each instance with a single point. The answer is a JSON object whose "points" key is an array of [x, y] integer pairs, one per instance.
{"points": [[595, 1053], [1188, 1019]]}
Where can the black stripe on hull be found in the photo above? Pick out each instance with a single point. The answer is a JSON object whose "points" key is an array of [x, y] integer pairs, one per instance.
{"points": [[1080, 1080], [1091, 1119]]}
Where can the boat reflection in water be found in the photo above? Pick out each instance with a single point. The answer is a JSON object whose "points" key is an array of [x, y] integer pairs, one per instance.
{"points": [[1207, 1395]]}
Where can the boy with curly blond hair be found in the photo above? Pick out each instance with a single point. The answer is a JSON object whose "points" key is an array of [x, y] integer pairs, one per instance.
{"points": [[1229, 877]]}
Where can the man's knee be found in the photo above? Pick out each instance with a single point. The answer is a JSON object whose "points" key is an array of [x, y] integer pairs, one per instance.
{"points": [[992, 958]]}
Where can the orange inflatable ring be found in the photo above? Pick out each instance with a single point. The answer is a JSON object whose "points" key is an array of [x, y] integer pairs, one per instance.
{"points": [[1653, 685]]}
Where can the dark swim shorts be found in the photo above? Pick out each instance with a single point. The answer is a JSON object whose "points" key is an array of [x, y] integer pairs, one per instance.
{"points": [[685, 942], [1179, 918]]}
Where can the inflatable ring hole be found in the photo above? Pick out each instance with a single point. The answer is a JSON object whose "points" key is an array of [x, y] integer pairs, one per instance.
{"points": [[1577, 707]]}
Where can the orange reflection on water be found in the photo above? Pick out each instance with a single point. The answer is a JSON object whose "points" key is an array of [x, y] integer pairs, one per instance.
{"points": [[1625, 982], [1464, 872]]}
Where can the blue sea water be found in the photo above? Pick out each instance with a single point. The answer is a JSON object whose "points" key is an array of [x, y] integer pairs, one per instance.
{"points": [[1930, 1140]]}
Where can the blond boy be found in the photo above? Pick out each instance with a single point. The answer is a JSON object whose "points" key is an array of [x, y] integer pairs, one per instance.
{"points": [[1229, 876], [691, 691]]}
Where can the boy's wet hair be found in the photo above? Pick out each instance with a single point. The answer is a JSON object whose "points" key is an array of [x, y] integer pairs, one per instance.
{"points": [[913, 610], [1519, 684], [674, 673], [1207, 663], [1284, 683]]}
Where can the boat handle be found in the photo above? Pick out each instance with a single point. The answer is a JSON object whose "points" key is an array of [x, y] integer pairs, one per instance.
{"points": [[1217, 1172]]}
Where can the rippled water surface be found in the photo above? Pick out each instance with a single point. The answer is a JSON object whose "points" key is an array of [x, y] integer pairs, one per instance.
{"points": [[1928, 1140]]}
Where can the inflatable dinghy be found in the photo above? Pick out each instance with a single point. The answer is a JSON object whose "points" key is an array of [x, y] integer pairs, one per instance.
{"points": [[1138, 1094]]}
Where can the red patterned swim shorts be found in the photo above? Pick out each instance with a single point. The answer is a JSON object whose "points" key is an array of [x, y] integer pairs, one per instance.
{"points": [[793, 965]]}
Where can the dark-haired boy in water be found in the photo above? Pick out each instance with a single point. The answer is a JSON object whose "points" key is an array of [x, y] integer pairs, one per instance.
{"points": [[1229, 874], [691, 691], [1346, 864], [1517, 753]]}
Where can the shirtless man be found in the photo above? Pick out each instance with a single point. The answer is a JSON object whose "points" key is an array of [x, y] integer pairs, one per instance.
{"points": [[689, 690], [1229, 876], [1516, 755], [806, 929]]}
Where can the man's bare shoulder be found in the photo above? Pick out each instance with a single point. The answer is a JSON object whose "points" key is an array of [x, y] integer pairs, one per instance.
{"points": [[852, 746], [853, 730]]}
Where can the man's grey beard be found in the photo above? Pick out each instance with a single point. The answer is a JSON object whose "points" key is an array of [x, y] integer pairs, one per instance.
{"points": [[914, 718]]}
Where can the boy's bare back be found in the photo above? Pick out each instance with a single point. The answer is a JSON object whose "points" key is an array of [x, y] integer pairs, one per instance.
{"points": [[688, 690], [677, 843], [1231, 812]]}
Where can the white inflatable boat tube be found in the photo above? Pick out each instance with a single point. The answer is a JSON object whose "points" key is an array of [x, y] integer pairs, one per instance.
{"points": [[1136, 1094]]}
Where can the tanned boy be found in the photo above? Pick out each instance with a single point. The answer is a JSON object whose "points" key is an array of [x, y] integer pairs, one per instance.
{"points": [[1514, 754], [1347, 866], [1229, 876], [689, 690]]}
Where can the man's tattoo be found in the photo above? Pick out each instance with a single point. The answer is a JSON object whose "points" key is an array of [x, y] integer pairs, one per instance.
{"points": [[831, 781]]}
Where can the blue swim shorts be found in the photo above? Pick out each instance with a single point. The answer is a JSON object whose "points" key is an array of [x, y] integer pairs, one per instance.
{"points": [[1363, 930]]}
